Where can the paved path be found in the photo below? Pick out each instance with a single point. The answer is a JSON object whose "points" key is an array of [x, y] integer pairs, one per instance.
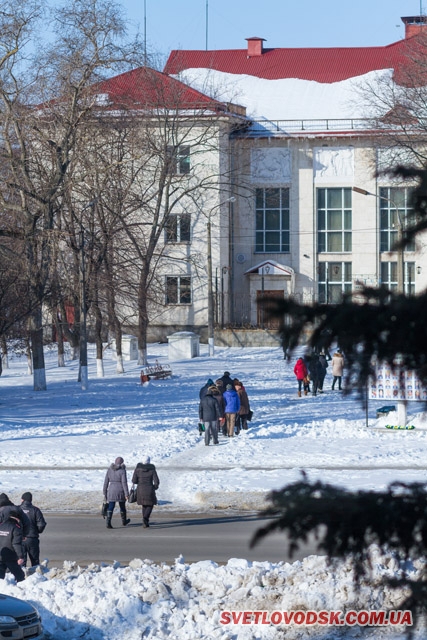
{"points": [[217, 537]]}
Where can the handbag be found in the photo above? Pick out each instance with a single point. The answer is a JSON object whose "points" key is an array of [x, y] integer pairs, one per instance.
{"points": [[104, 509], [249, 416], [201, 428], [132, 494]]}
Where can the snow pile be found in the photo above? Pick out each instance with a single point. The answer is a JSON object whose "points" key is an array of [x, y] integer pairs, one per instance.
{"points": [[185, 601]]}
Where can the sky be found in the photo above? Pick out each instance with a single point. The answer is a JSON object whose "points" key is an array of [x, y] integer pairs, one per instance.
{"points": [[283, 23], [60, 442]]}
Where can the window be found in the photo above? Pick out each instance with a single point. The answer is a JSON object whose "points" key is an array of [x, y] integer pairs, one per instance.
{"points": [[335, 278], [389, 276], [178, 160], [178, 290], [334, 220], [394, 205], [272, 221], [178, 228]]}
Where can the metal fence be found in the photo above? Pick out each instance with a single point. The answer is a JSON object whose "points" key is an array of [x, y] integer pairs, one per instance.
{"points": [[262, 127]]}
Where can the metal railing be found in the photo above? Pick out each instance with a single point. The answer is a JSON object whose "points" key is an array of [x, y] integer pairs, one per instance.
{"points": [[262, 127]]}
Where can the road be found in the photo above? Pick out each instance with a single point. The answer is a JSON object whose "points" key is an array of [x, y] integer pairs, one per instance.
{"points": [[85, 539]]}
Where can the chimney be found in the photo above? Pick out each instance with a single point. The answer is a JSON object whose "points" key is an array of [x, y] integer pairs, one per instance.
{"points": [[254, 46], [414, 25]]}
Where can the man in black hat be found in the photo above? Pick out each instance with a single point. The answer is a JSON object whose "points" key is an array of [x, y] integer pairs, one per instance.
{"points": [[11, 549], [226, 379], [31, 541]]}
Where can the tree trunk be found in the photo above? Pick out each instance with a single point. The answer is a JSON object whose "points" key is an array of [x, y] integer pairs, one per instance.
{"points": [[142, 320], [28, 354], [36, 338], [119, 353], [4, 354], [98, 336]]}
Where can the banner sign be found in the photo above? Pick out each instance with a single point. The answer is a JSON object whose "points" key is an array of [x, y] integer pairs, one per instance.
{"points": [[396, 385]]}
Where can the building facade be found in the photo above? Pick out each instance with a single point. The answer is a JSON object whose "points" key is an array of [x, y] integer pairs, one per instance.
{"points": [[313, 216]]}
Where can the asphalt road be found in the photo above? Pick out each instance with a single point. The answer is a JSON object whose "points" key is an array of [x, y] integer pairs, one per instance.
{"points": [[85, 539]]}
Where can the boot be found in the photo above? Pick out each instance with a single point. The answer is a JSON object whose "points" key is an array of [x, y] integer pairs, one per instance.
{"points": [[109, 516], [299, 394], [125, 520], [305, 392]]}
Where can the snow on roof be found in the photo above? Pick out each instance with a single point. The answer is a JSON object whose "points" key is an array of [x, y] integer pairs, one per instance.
{"points": [[289, 98]]}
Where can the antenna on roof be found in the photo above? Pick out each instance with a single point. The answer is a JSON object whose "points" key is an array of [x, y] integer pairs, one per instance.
{"points": [[145, 33], [207, 22], [421, 7]]}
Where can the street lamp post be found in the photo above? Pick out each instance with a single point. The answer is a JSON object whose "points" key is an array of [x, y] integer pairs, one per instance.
{"points": [[211, 323], [83, 368], [401, 404]]}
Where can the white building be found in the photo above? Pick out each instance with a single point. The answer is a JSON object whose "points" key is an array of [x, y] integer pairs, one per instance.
{"points": [[311, 217]]}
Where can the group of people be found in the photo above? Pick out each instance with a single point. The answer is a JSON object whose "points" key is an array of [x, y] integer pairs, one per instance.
{"points": [[224, 408], [20, 528], [116, 489], [312, 369]]}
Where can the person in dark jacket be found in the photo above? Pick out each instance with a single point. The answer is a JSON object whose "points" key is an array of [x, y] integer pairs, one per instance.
{"points": [[11, 548], [116, 490], [226, 379], [217, 394], [242, 416], [203, 391], [316, 372], [324, 363], [6, 506], [232, 406], [147, 481], [209, 414], [31, 541]]}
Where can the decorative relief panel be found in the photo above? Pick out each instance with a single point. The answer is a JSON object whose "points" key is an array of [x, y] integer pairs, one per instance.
{"points": [[333, 164], [271, 165]]}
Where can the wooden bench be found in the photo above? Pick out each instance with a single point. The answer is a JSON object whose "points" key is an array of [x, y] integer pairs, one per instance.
{"points": [[156, 372]]}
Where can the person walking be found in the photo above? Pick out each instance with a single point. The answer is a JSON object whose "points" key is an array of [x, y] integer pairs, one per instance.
{"points": [[31, 542], [316, 372], [337, 369], [147, 481], [324, 364], [209, 415], [203, 391], [301, 373], [242, 416], [225, 379], [6, 506], [11, 548], [116, 490], [232, 406]]}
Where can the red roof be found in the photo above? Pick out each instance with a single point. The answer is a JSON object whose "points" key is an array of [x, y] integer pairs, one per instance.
{"points": [[325, 65], [146, 88]]}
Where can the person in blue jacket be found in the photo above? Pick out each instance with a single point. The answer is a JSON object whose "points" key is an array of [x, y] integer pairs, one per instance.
{"points": [[232, 406]]}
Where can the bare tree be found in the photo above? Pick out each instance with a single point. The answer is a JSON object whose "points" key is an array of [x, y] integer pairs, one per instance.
{"points": [[38, 143]]}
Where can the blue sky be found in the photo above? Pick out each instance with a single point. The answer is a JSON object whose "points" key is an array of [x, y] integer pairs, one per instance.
{"points": [[181, 24]]}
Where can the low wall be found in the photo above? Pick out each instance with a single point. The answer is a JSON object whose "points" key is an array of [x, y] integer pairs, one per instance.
{"points": [[247, 338]]}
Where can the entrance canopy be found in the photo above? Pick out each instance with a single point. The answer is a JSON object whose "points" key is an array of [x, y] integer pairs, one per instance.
{"points": [[273, 268]]}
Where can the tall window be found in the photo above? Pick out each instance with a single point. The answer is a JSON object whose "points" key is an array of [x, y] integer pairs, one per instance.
{"points": [[178, 290], [178, 160], [178, 228], [272, 221], [334, 220], [395, 209], [335, 279], [389, 276]]}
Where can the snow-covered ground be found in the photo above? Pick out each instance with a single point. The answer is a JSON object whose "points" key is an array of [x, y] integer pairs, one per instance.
{"points": [[60, 442]]}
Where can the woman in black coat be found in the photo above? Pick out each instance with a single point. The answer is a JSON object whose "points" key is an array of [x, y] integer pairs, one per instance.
{"points": [[147, 481]]}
